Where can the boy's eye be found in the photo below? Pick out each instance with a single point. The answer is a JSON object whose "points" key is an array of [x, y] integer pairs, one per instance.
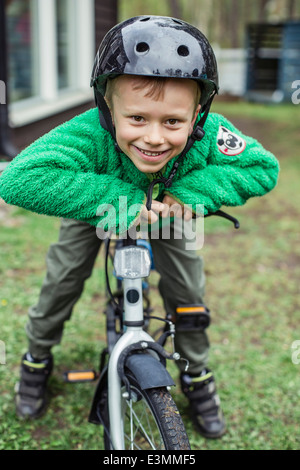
{"points": [[172, 122], [137, 118]]}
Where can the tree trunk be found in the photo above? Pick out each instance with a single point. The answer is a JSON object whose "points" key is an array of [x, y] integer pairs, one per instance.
{"points": [[291, 9], [262, 10], [175, 8], [234, 23]]}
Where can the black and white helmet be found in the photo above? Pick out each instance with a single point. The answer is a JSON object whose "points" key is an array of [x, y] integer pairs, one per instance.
{"points": [[160, 47]]}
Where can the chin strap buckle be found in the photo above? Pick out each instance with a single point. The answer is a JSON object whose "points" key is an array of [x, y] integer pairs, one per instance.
{"points": [[198, 133]]}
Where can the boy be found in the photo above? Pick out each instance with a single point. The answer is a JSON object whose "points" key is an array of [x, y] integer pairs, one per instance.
{"points": [[154, 80]]}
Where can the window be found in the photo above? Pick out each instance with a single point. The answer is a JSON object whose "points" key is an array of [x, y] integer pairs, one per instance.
{"points": [[50, 56], [20, 50]]}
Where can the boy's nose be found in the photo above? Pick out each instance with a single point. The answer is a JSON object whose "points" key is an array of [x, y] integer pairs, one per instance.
{"points": [[154, 136]]}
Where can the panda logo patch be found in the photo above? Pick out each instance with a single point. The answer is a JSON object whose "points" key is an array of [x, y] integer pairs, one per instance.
{"points": [[230, 143]]}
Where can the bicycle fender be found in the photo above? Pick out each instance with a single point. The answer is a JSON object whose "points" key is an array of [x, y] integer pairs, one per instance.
{"points": [[98, 411], [149, 372]]}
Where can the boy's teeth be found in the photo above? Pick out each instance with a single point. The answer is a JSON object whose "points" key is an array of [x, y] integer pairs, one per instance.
{"points": [[151, 154]]}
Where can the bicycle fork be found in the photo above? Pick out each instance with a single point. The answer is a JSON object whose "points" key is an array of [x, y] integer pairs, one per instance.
{"points": [[133, 321]]}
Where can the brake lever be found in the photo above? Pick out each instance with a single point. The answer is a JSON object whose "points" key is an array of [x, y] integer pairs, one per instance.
{"points": [[225, 216]]}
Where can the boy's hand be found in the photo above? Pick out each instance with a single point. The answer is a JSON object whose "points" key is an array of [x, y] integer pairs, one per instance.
{"points": [[175, 209], [150, 217], [167, 208]]}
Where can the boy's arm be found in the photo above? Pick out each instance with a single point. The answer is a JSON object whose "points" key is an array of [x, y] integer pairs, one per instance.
{"points": [[60, 175], [237, 168]]}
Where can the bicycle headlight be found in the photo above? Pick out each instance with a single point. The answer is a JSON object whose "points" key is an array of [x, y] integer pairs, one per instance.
{"points": [[132, 262]]}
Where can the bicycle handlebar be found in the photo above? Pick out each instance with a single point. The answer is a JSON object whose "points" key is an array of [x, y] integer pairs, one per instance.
{"points": [[225, 216]]}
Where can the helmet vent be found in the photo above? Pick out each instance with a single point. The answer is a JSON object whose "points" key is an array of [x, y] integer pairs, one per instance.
{"points": [[145, 19], [183, 51], [177, 21], [142, 47]]}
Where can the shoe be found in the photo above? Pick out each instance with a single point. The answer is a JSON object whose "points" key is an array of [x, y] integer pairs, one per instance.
{"points": [[31, 400], [204, 404]]}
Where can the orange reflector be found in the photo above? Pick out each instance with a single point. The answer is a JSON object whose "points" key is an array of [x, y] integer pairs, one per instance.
{"points": [[80, 376], [199, 309]]}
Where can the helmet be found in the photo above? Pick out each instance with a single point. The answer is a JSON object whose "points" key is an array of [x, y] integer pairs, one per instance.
{"points": [[160, 47]]}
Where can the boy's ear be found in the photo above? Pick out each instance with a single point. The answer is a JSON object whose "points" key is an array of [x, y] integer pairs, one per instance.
{"points": [[110, 110], [194, 118], [197, 112]]}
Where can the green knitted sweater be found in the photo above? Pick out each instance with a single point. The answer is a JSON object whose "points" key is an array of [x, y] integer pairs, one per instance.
{"points": [[74, 169]]}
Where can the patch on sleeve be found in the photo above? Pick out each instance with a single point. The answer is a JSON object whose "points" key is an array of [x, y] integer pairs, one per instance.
{"points": [[230, 143]]}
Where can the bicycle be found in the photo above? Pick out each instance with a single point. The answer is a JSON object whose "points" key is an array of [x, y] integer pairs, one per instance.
{"points": [[132, 400]]}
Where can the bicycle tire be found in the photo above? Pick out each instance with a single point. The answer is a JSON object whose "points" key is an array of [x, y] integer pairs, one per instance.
{"points": [[157, 421]]}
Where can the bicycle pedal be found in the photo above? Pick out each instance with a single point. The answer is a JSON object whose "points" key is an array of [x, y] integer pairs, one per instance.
{"points": [[73, 376]]}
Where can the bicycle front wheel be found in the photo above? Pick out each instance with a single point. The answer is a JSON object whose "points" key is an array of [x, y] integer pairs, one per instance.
{"points": [[151, 420]]}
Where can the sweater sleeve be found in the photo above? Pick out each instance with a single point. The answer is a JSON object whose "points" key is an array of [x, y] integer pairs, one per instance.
{"points": [[64, 174], [236, 168]]}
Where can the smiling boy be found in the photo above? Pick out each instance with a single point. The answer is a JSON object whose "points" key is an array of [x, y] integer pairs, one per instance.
{"points": [[157, 143]]}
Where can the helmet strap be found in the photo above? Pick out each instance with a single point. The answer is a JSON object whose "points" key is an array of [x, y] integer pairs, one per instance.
{"points": [[197, 135], [105, 116]]}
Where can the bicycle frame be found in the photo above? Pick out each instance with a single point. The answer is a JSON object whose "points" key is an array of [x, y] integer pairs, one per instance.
{"points": [[133, 334]]}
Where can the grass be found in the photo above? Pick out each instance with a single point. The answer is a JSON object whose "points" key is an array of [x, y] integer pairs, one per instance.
{"points": [[252, 292]]}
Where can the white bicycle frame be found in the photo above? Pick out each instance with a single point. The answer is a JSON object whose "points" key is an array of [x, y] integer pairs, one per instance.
{"points": [[133, 319]]}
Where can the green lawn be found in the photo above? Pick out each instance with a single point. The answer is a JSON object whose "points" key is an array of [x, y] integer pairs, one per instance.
{"points": [[252, 292]]}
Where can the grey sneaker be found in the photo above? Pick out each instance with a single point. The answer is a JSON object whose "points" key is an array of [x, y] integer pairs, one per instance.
{"points": [[31, 399], [204, 404]]}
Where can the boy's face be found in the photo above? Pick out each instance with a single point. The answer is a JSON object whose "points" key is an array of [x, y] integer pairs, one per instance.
{"points": [[153, 131]]}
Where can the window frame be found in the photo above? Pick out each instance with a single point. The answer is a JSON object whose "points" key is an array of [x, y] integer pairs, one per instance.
{"points": [[50, 99]]}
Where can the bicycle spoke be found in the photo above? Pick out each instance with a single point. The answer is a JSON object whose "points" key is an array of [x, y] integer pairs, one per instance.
{"points": [[140, 428], [150, 421], [142, 425]]}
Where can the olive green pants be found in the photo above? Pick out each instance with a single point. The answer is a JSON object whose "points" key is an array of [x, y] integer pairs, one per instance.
{"points": [[70, 263]]}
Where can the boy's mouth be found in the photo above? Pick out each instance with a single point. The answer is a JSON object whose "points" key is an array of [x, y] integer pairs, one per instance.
{"points": [[148, 153]]}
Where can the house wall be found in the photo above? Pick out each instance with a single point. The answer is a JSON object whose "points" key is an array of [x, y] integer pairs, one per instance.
{"points": [[232, 67]]}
